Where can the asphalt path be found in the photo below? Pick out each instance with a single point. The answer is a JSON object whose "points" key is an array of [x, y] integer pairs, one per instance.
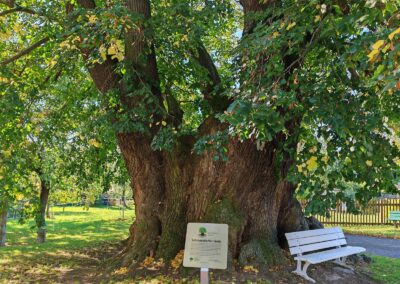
{"points": [[376, 246]]}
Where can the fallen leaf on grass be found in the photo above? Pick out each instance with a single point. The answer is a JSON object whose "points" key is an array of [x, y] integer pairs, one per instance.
{"points": [[249, 268], [177, 261], [121, 271]]}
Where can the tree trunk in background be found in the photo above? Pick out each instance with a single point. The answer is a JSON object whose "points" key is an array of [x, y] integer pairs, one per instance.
{"points": [[41, 213], [124, 198], [48, 210], [3, 224]]}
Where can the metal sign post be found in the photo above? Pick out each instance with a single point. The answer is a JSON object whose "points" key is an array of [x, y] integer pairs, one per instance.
{"points": [[204, 278]]}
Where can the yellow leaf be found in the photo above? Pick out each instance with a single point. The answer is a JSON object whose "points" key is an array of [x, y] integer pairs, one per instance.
{"points": [[121, 271], [92, 19], [19, 196], [148, 261], [300, 168], [275, 34], [397, 31], [249, 268], [5, 35], [317, 18], [119, 56], [312, 164], [65, 44], [386, 48], [163, 123], [369, 163], [7, 153], [94, 143], [325, 159], [372, 54], [378, 44], [102, 51], [177, 261], [290, 26], [120, 44], [111, 50], [17, 27], [313, 149]]}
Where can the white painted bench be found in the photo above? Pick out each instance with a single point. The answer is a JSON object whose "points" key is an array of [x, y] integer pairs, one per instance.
{"points": [[316, 246]]}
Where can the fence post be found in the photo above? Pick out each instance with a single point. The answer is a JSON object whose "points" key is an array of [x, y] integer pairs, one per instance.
{"points": [[382, 205]]}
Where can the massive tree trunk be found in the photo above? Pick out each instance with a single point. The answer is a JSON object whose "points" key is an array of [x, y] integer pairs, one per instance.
{"points": [[248, 191], [41, 212], [3, 223]]}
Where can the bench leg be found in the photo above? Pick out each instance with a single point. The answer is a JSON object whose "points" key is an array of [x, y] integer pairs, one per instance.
{"points": [[303, 271], [342, 262]]}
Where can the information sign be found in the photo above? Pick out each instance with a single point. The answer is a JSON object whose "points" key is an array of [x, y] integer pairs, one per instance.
{"points": [[206, 246]]}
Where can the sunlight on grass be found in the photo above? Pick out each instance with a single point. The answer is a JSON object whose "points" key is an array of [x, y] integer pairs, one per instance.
{"points": [[70, 230], [386, 269], [388, 231]]}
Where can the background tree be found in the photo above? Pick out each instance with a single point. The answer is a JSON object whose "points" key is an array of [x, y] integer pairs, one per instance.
{"points": [[49, 138], [221, 109]]}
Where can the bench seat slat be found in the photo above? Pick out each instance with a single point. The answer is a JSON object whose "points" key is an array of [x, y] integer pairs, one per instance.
{"points": [[315, 239], [317, 246], [311, 233], [322, 256]]}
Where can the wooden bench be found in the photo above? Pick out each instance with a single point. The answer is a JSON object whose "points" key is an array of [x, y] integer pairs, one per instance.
{"points": [[395, 217], [316, 246]]}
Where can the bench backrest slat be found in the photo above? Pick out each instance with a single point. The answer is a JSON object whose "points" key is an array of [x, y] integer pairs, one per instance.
{"points": [[312, 240], [317, 246], [315, 239], [311, 233]]}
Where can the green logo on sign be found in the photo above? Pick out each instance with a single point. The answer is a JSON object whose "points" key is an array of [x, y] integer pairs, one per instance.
{"points": [[202, 231]]}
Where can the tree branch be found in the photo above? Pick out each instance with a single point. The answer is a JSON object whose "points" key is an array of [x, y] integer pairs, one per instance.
{"points": [[9, 3], [25, 51], [249, 8], [217, 101], [18, 9]]}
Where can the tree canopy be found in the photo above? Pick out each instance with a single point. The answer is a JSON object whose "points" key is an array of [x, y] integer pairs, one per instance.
{"points": [[323, 75]]}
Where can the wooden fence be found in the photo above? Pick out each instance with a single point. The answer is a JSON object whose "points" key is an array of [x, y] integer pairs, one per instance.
{"points": [[375, 213]]}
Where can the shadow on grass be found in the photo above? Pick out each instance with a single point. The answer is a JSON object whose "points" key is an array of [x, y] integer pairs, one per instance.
{"points": [[55, 267]]}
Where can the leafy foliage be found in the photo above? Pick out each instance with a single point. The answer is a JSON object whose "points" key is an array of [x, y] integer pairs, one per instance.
{"points": [[322, 76]]}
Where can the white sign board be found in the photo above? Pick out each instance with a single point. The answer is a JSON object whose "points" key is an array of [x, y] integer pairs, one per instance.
{"points": [[206, 246]]}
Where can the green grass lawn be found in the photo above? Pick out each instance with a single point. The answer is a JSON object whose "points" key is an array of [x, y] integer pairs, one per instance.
{"points": [[78, 239], [386, 231], [68, 234], [386, 269], [75, 228]]}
